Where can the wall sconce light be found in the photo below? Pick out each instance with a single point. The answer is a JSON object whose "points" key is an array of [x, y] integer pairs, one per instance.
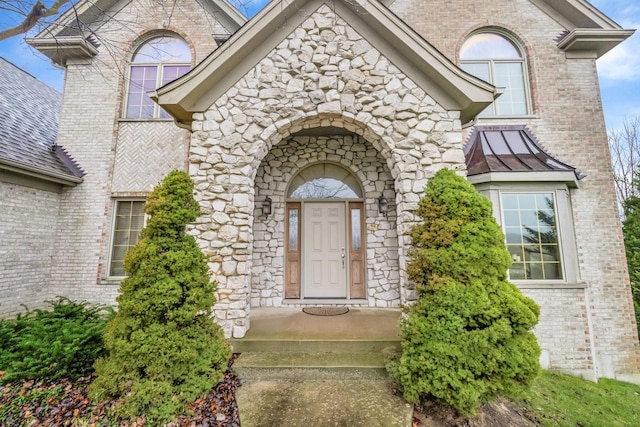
{"points": [[266, 206], [383, 205]]}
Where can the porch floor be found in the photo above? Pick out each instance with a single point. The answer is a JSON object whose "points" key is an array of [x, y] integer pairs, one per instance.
{"points": [[292, 324]]}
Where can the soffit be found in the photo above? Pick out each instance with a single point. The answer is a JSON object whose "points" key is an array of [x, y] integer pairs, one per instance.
{"points": [[587, 42], [451, 87], [589, 32], [576, 14]]}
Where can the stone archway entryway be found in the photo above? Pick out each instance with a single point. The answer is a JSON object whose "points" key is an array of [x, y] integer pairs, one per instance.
{"points": [[323, 74], [326, 240]]}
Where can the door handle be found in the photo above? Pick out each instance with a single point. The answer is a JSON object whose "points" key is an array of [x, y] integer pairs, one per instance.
{"points": [[342, 256]]}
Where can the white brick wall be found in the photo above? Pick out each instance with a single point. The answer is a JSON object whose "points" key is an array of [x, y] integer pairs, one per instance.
{"points": [[567, 119], [27, 236], [91, 131]]}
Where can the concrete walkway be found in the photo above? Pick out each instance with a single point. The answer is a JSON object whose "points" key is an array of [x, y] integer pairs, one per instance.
{"points": [[311, 403], [302, 370]]}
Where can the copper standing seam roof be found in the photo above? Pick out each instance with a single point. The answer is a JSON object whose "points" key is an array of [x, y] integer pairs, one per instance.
{"points": [[509, 149]]}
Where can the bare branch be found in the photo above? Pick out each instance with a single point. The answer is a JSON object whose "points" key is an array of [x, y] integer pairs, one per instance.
{"points": [[624, 144], [38, 12]]}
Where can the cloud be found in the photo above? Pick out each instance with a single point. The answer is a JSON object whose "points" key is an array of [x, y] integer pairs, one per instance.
{"points": [[16, 51], [622, 62]]}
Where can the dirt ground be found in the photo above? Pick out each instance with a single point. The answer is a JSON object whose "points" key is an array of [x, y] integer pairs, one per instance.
{"points": [[500, 412]]}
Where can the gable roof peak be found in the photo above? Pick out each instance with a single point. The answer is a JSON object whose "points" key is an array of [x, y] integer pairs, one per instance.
{"points": [[589, 32], [71, 35], [576, 14], [447, 84]]}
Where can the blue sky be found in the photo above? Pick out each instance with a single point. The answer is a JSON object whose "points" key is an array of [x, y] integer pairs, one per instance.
{"points": [[619, 69]]}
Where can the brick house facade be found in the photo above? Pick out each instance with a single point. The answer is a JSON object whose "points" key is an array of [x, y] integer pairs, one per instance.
{"points": [[310, 134]]}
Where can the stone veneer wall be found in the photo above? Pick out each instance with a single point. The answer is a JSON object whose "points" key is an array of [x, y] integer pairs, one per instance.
{"points": [[27, 236], [323, 74], [282, 163]]}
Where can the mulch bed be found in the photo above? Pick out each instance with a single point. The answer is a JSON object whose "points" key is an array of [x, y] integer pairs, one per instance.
{"points": [[218, 408]]}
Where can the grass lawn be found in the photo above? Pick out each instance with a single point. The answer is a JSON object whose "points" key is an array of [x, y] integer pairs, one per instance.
{"points": [[563, 400]]}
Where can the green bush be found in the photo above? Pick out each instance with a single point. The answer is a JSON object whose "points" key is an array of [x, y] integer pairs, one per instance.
{"points": [[50, 344], [631, 232], [467, 339], [164, 349]]}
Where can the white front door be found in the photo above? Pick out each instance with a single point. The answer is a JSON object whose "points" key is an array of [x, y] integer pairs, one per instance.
{"points": [[324, 250]]}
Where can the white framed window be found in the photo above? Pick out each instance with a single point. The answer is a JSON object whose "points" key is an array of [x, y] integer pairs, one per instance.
{"points": [[496, 59], [537, 222], [155, 63], [529, 222], [129, 219]]}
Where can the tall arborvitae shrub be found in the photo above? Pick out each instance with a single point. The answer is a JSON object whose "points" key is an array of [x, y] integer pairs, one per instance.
{"points": [[164, 350], [467, 339], [631, 231]]}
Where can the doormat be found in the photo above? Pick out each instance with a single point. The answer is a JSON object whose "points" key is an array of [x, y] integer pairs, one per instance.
{"points": [[325, 311]]}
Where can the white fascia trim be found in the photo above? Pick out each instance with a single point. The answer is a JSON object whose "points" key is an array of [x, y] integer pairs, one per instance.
{"points": [[567, 177], [593, 40], [232, 13], [575, 13], [62, 48], [40, 173]]}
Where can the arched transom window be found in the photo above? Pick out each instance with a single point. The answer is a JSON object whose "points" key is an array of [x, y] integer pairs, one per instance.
{"points": [[497, 60], [157, 62], [324, 181]]}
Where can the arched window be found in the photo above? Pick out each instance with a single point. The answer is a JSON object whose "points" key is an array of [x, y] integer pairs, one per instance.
{"points": [[324, 181], [497, 60], [157, 62]]}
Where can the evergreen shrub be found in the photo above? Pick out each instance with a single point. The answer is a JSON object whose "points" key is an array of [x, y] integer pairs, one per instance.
{"points": [[64, 341], [631, 232], [164, 349], [467, 338]]}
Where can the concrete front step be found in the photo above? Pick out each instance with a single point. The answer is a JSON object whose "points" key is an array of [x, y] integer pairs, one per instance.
{"points": [[307, 403], [301, 366], [303, 370], [350, 346]]}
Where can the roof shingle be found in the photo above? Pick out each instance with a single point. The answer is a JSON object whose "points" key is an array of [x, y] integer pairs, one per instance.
{"points": [[29, 111]]}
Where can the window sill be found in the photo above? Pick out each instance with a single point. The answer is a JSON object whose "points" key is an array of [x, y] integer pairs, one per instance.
{"points": [[494, 118], [110, 281], [151, 120], [539, 284]]}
